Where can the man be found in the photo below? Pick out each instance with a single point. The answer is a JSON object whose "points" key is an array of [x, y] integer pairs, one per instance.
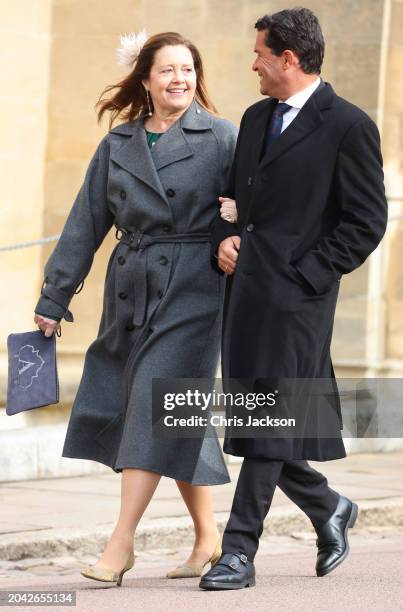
{"points": [[308, 183]]}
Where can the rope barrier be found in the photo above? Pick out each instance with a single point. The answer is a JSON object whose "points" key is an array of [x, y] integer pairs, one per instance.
{"points": [[55, 237], [24, 245]]}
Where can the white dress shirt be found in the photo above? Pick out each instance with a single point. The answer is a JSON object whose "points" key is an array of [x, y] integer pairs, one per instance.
{"points": [[297, 101]]}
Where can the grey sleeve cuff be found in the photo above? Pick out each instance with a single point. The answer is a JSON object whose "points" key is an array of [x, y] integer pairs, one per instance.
{"points": [[48, 316]]}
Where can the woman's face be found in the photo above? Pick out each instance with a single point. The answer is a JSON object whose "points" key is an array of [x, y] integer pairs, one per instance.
{"points": [[172, 80]]}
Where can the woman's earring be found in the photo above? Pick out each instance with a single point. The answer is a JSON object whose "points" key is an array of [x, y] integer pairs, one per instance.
{"points": [[148, 103]]}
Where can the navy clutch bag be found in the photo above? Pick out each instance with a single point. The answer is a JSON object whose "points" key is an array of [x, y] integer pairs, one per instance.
{"points": [[32, 371]]}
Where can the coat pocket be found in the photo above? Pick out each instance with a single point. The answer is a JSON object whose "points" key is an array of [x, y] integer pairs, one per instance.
{"points": [[306, 286]]}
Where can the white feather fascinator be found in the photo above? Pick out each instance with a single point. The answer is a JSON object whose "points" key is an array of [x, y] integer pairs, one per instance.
{"points": [[131, 45]]}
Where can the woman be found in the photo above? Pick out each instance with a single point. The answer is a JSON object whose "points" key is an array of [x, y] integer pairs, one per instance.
{"points": [[157, 178]]}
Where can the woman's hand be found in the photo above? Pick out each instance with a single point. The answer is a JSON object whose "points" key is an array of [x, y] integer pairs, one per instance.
{"points": [[48, 326], [228, 210]]}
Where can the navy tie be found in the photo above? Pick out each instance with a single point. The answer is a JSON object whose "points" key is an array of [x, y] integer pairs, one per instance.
{"points": [[276, 123]]}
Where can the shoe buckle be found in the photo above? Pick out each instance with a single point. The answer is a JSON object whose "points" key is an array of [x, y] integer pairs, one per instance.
{"points": [[234, 564], [243, 558]]}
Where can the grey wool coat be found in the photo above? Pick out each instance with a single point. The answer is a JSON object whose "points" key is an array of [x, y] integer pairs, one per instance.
{"points": [[162, 300]]}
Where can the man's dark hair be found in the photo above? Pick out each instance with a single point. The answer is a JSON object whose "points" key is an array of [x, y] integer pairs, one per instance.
{"points": [[299, 31]]}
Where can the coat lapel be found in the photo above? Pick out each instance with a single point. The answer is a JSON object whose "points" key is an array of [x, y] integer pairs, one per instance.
{"points": [[308, 119], [135, 156], [173, 146], [259, 128]]}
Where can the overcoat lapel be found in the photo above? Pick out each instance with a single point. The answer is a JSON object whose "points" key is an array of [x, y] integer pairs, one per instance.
{"points": [[173, 146], [135, 156], [259, 128], [308, 119]]}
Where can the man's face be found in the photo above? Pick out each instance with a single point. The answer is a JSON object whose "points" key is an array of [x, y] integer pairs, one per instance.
{"points": [[269, 67]]}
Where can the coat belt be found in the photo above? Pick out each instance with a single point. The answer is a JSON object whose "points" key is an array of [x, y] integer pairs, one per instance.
{"points": [[137, 240]]}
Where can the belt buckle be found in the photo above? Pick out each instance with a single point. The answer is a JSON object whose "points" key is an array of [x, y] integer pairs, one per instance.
{"points": [[135, 240]]}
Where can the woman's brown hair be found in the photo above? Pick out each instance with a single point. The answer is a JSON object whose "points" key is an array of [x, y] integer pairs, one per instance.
{"points": [[130, 100]]}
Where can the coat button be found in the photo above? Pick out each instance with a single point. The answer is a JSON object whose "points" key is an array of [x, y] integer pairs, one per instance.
{"points": [[122, 295], [170, 193], [163, 260], [250, 227], [166, 229], [130, 327], [160, 294], [123, 194], [121, 260], [250, 180]]}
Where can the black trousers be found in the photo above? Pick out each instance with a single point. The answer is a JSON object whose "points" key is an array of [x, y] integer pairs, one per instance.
{"points": [[257, 481]]}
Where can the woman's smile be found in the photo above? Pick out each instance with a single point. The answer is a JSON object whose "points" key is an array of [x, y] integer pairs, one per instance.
{"points": [[177, 91]]}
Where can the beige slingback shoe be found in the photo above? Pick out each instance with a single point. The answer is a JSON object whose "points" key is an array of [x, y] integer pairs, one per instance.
{"points": [[103, 574], [192, 570]]}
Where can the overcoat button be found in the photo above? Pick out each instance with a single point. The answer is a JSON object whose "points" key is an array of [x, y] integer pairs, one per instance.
{"points": [[166, 229], [160, 293], [250, 180], [121, 260], [163, 260], [170, 193], [122, 295], [123, 194], [130, 327], [250, 227]]}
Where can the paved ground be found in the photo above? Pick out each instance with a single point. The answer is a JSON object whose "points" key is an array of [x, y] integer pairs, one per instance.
{"points": [[50, 528], [57, 516], [370, 580]]}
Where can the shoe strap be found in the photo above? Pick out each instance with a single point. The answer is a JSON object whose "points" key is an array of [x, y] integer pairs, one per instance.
{"points": [[232, 560]]}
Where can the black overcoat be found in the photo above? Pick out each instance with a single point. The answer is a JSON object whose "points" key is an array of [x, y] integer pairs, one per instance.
{"points": [[312, 209]]}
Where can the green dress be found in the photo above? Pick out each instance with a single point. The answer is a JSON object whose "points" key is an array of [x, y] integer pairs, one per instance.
{"points": [[152, 137]]}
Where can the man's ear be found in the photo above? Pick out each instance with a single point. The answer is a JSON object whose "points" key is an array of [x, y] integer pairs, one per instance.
{"points": [[289, 59]]}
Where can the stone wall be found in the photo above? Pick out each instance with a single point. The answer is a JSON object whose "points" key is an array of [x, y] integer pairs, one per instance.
{"points": [[60, 54], [25, 44]]}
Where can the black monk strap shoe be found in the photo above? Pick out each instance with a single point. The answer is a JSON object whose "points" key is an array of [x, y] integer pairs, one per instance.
{"points": [[332, 539], [232, 571]]}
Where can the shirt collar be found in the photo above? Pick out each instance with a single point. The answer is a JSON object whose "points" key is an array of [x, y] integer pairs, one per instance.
{"points": [[298, 100]]}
